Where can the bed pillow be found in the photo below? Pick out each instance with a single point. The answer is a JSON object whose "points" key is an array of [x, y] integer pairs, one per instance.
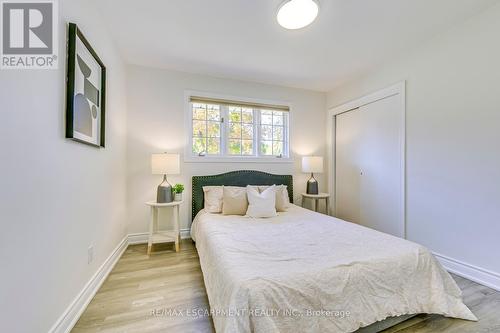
{"points": [[213, 199], [282, 199], [261, 204], [234, 200]]}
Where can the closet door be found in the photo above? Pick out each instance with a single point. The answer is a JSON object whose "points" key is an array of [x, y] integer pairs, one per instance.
{"points": [[368, 166]]}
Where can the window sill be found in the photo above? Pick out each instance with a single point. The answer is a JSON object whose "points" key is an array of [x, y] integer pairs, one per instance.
{"points": [[206, 159]]}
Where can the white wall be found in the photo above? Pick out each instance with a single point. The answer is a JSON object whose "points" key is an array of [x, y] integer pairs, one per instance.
{"points": [[453, 135], [156, 123], [57, 196]]}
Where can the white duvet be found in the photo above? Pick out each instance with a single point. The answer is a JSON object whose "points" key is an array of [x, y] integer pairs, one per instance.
{"points": [[306, 272]]}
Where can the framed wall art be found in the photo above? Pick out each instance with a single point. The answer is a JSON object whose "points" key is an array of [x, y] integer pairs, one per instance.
{"points": [[85, 92]]}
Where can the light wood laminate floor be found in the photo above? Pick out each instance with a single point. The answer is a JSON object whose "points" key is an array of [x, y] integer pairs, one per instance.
{"points": [[140, 291]]}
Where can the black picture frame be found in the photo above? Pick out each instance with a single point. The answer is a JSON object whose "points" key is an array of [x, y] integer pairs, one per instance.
{"points": [[73, 34]]}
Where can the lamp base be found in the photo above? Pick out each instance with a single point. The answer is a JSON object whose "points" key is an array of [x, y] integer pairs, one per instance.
{"points": [[312, 185], [164, 192]]}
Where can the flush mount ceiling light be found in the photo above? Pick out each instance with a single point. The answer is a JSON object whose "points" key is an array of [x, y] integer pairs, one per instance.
{"points": [[296, 14]]}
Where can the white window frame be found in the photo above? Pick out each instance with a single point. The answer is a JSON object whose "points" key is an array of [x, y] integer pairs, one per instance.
{"points": [[286, 130], [225, 115], [226, 158], [222, 131]]}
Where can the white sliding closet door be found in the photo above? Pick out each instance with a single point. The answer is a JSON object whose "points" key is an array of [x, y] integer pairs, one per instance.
{"points": [[368, 166]]}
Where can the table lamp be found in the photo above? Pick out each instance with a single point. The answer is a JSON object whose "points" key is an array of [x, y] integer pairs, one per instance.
{"points": [[165, 164], [312, 164]]}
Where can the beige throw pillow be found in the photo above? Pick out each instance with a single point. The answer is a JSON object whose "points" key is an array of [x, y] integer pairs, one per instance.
{"points": [[213, 199], [282, 199], [234, 200]]}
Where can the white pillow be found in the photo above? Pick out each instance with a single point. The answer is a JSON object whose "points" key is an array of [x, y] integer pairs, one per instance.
{"points": [[282, 199], [261, 204], [213, 199]]}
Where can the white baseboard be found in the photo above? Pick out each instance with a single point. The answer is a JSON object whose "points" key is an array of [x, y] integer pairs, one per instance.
{"points": [[69, 318], [185, 233], [142, 237], [470, 272], [138, 238]]}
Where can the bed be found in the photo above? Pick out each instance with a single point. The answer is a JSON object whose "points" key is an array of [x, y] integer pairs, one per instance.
{"points": [[306, 272]]}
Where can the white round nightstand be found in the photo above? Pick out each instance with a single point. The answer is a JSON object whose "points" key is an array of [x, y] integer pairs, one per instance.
{"points": [[163, 236], [316, 198]]}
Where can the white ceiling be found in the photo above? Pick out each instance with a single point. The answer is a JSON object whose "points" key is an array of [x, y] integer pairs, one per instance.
{"points": [[241, 39]]}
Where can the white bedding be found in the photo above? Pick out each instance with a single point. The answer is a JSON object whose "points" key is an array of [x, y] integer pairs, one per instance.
{"points": [[306, 272]]}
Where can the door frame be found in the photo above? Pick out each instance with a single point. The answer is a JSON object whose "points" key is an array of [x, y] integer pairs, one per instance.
{"points": [[398, 89]]}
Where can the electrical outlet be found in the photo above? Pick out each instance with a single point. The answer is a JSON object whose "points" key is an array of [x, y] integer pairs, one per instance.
{"points": [[90, 254]]}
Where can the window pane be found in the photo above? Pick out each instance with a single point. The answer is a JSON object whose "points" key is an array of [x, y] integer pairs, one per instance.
{"points": [[266, 147], [213, 146], [235, 147], [199, 128], [247, 116], [235, 116], [266, 117], [247, 131], [235, 131], [247, 147], [266, 132], [277, 148], [277, 118], [199, 112], [213, 129], [213, 115], [278, 133], [198, 145]]}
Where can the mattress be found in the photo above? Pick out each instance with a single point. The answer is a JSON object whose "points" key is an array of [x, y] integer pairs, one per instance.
{"points": [[306, 272]]}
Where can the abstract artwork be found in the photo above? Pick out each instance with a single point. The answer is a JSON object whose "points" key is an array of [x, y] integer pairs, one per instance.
{"points": [[85, 97]]}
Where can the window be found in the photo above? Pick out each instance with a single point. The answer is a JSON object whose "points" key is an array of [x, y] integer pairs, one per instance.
{"points": [[241, 131], [206, 129], [230, 129], [272, 132]]}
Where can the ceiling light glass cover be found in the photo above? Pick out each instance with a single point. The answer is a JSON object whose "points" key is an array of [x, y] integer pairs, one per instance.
{"points": [[296, 14]]}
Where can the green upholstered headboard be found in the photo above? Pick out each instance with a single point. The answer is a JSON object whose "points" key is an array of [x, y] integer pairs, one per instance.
{"points": [[237, 178]]}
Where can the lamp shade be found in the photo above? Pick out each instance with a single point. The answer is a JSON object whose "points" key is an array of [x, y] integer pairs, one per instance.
{"points": [[312, 164], [165, 164]]}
